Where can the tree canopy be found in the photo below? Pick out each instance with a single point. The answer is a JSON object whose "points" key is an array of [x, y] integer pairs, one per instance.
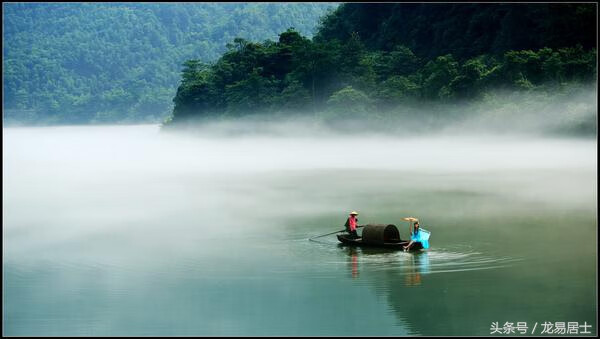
{"points": [[115, 62], [464, 30], [365, 59]]}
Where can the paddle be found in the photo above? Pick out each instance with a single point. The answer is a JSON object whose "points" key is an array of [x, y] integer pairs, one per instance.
{"points": [[322, 235]]}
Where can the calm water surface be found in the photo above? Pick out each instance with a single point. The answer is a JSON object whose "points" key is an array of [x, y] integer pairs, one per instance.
{"points": [[127, 231]]}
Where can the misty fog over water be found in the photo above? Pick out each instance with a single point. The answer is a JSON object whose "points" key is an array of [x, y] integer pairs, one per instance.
{"points": [[188, 169], [133, 231]]}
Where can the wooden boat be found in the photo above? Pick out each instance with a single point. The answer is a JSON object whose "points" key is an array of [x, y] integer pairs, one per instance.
{"points": [[379, 235]]}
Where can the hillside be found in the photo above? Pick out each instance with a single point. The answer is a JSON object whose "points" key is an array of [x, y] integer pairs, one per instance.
{"points": [[121, 62], [465, 30], [366, 63]]}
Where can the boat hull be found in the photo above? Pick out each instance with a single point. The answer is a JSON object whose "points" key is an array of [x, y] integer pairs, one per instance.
{"points": [[346, 239]]}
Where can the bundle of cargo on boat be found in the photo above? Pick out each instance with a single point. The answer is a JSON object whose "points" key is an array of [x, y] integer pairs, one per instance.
{"points": [[382, 235]]}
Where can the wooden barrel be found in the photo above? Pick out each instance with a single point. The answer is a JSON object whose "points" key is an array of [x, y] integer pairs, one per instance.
{"points": [[378, 234]]}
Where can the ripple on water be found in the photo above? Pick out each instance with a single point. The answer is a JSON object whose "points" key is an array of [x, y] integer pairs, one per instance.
{"points": [[459, 258]]}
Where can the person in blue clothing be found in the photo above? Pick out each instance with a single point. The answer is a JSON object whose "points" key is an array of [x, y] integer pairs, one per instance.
{"points": [[414, 236]]}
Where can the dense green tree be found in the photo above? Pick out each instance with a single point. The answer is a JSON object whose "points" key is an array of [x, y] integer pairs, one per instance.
{"points": [[396, 89], [464, 30], [119, 62], [101, 63], [348, 104], [437, 76], [343, 73], [294, 97]]}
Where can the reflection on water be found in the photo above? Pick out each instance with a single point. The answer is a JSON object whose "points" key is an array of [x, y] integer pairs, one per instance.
{"points": [[413, 265], [411, 268], [419, 265], [354, 261], [119, 231]]}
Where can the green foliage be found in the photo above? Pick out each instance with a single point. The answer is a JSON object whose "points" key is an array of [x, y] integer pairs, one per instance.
{"points": [[437, 76], [107, 62], [349, 103], [294, 97], [120, 62], [344, 74], [464, 30], [396, 89]]}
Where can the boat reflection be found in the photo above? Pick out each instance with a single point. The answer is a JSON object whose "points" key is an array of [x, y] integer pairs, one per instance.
{"points": [[353, 253], [412, 265], [418, 264]]}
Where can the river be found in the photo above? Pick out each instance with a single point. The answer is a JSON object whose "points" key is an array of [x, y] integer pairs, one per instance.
{"points": [[124, 230]]}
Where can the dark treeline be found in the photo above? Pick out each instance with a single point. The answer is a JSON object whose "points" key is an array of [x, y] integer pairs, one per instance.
{"points": [[370, 58], [120, 62], [464, 30]]}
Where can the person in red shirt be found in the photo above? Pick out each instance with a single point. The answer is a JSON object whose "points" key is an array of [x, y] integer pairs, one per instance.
{"points": [[351, 224]]}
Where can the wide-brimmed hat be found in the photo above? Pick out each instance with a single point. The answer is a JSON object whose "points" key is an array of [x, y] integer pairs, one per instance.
{"points": [[354, 212]]}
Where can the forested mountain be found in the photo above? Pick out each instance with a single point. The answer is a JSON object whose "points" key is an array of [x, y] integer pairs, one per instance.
{"points": [[115, 62], [464, 30], [368, 59]]}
